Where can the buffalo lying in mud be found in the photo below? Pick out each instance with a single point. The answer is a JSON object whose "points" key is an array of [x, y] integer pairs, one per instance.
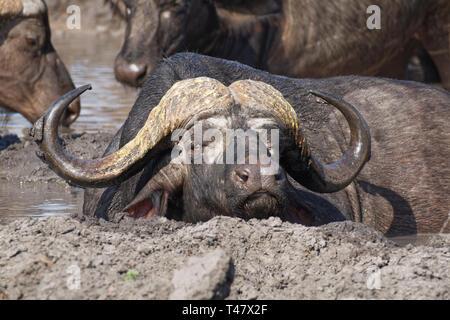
{"points": [[403, 188], [32, 75], [295, 38]]}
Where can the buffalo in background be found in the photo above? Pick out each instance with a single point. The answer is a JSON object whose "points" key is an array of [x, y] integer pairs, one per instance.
{"points": [[295, 38], [32, 75]]}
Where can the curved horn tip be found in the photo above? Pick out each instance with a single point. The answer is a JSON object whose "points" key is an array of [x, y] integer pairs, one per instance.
{"points": [[55, 109], [71, 95], [85, 87], [77, 91], [331, 178]]}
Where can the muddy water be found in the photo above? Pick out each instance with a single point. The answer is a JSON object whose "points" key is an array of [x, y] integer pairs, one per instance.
{"points": [[37, 200], [89, 59], [414, 239]]}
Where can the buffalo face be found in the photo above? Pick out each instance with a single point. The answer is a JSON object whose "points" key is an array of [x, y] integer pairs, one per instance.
{"points": [[219, 170], [156, 29], [32, 75]]}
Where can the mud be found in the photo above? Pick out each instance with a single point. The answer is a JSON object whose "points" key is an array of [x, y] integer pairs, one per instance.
{"points": [[64, 258], [79, 258], [19, 163]]}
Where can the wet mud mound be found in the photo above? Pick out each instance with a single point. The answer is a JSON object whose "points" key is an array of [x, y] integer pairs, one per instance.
{"points": [[224, 258], [19, 162]]}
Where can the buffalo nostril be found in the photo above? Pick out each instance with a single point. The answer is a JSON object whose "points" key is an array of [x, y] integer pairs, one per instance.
{"points": [[133, 74], [242, 174], [141, 75]]}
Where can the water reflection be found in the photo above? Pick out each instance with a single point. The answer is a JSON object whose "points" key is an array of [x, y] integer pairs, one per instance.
{"points": [[38, 199], [414, 239]]}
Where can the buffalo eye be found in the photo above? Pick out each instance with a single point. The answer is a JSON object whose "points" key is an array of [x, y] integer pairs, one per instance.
{"points": [[203, 144], [31, 42]]}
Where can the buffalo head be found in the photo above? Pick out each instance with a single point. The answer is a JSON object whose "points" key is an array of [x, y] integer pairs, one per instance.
{"points": [[160, 28], [157, 28], [31, 73], [217, 182]]}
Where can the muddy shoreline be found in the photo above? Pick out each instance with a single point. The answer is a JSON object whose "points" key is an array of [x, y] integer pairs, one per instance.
{"points": [[19, 163], [28, 187], [225, 258]]}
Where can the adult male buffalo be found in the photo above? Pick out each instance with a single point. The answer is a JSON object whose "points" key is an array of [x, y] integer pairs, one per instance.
{"points": [[402, 189], [31, 72], [295, 38]]}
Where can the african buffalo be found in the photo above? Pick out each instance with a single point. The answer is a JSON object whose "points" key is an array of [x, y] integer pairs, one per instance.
{"points": [[31, 73], [295, 38], [403, 188]]}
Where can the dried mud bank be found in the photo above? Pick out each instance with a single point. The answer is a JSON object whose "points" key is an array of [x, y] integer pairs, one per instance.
{"points": [[224, 258], [19, 163]]}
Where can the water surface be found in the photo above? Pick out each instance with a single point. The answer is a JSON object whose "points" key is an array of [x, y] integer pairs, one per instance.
{"points": [[38, 200]]}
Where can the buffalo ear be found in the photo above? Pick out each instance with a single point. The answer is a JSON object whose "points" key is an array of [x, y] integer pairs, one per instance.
{"points": [[255, 7], [146, 205], [141, 210]]}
